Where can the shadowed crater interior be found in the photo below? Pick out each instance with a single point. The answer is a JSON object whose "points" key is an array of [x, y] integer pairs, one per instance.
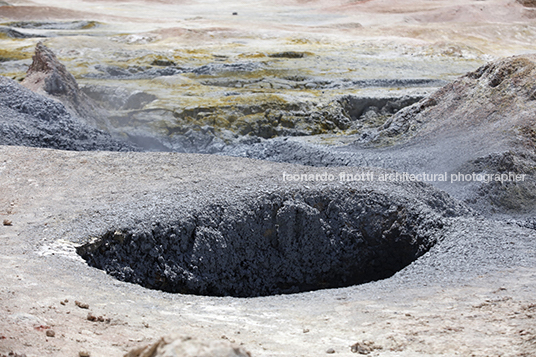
{"points": [[275, 244]]}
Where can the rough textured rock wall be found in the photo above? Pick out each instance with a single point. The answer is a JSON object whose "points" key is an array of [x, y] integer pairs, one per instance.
{"points": [[278, 243]]}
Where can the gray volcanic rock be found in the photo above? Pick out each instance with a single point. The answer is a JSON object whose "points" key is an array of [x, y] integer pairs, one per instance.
{"points": [[152, 192], [507, 197], [30, 119], [16, 34], [47, 75]]}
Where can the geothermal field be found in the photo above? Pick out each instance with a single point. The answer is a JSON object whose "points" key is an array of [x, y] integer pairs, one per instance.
{"points": [[267, 178]]}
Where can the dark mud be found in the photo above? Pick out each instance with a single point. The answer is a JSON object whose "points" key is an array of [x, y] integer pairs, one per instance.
{"points": [[278, 243]]}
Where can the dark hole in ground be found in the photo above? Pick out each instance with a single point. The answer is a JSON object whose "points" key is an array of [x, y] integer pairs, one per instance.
{"points": [[277, 244]]}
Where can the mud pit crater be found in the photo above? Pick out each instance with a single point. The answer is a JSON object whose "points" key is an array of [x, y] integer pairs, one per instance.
{"points": [[276, 244]]}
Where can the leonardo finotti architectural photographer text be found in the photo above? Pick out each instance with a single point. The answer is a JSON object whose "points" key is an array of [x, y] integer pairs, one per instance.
{"points": [[369, 176]]}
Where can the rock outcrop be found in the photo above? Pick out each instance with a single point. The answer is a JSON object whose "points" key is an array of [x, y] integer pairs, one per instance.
{"points": [[47, 75], [31, 119], [483, 123], [497, 101]]}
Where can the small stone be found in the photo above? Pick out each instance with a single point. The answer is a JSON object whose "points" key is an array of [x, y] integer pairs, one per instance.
{"points": [[8, 222], [91, 317], [306, 330], [81, 305], [84, 354], [330, 351], [100, 319], [50, 333], [360, 348]]}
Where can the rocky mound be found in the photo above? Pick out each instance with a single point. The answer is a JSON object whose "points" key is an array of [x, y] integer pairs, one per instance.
{"points": [[30, 119], [497, 101], [48, 76], [482, 123]]}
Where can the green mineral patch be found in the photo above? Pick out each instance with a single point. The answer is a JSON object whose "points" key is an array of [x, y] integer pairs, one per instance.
{"points": [[252, 55], [281, 87], [302, 41], [90, 25], [13, 55], [261, 115]]}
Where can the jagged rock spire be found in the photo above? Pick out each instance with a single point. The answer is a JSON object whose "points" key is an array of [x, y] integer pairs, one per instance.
{"points": [[47, 75]]}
